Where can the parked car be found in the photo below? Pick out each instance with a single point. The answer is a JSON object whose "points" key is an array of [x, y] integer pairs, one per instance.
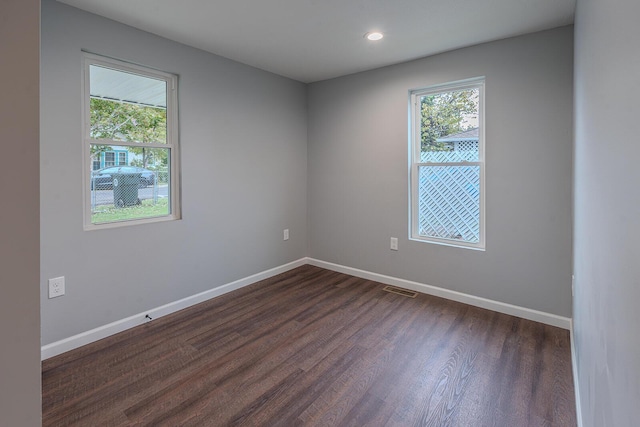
{"points": [[102, 180]]}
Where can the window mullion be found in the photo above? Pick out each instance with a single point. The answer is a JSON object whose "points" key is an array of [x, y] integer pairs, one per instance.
{"points": [[449, 164]]}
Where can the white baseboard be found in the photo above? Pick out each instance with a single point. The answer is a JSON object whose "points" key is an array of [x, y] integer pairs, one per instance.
{"points": [[576, 386], [96, 334], [501, 307], [104, 331]]}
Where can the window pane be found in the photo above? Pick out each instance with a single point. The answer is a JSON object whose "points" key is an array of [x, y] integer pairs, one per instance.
{"points": [[109, 159], [449, 202], [127, 107], [449, 126], [139, 188]]}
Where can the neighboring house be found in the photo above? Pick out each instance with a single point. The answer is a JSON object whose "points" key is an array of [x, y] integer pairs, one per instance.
{"points": [[115, 157], [107, 159], [462, 141]]}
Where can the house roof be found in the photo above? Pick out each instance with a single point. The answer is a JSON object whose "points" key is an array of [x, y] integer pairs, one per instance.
{"points": [[127, 87], [467, 135]]}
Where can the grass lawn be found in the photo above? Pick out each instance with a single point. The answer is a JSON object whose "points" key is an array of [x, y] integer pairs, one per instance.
{"points": [[145, 210]]}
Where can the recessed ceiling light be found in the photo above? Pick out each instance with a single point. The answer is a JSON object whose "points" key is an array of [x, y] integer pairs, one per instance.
{"points": [[374, 35]]}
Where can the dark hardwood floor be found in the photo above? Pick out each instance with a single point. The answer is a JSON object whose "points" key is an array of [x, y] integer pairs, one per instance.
{"points": [[317, 348]]}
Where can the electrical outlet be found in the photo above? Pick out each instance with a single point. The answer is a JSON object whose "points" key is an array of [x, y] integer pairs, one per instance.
{"points": [[394, 243], [573, 285], [56, 287], [285, 234]]}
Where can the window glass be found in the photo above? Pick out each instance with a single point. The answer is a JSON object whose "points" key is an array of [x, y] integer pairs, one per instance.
{"points": [[127, 106]]}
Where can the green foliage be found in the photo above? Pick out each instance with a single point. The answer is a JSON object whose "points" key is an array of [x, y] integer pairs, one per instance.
{"points": [[147, 209], [444, 114], [120, 121]]}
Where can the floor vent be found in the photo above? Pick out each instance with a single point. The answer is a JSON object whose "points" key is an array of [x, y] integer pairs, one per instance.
{"points": [[400, 291]]}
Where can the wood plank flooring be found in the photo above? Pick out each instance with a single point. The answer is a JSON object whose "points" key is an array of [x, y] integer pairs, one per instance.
{"points": [[311, 347]]}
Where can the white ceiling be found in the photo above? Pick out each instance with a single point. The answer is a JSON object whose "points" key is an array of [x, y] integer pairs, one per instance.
{"points": [[311, 40]]}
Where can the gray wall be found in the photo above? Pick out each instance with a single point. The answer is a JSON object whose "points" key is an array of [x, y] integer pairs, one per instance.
{"points": [[607, 212], [358, 195], [243, 150], [19, 228]]}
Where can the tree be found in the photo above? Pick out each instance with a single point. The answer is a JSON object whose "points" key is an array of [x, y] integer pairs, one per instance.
{"points": [[121, 121], [446, 113]]}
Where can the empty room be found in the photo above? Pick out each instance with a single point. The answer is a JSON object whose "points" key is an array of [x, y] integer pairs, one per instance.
{"points": [[320, 213]]}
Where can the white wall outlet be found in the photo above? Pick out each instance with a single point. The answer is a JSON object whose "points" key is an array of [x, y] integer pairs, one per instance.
{"points": [[573, 285], [394, 243], [56, 287], [285, 234]]}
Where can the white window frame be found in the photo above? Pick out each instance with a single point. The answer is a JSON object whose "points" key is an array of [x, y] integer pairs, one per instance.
{"points": [[172, 142], [415, 159]]}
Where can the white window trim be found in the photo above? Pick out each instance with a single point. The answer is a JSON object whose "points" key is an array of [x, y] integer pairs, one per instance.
{"points": [[172, 139], [414, 160]]}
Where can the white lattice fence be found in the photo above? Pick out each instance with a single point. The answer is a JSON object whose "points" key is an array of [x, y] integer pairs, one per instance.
{"points": [[461, 155], [449, 202], [471, 145]]}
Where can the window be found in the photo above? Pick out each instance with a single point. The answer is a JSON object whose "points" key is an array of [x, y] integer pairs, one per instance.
{"points": [[130, 143], [447, 164], [109, 159]]}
